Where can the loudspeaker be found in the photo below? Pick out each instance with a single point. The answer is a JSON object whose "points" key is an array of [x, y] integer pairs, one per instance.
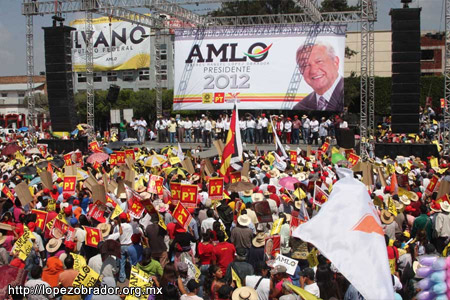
{"points": [[58, 70], [405, 23], [346, 138], [392, 150], [113, 93], [66, 146]]}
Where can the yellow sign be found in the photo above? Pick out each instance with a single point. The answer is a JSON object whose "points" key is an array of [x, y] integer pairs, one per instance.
{"points": [[78, 262], [117, 211], [276, 227], [236, 278], [161, 222], [86, 277], [207, 98], [139, 280], [23, 245]]}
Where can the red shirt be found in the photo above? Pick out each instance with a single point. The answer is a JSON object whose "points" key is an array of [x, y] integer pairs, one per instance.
{"points": [[205, 253], [224, 253]]}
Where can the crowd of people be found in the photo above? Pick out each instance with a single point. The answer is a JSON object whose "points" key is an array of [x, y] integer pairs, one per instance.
{"points": [[228, 249]]}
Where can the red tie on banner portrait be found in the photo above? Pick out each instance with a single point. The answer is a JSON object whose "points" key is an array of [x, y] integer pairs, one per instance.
{"points": [[8, 193], [182, 215], [353, 159], [93, 236], [130, 153], [68, 159], [120, 157], [235, 177], [95, 147], [41, 218], [189, 195], [70, 184], [113, 159], [324, 147], [175, 190], [432, 185], [293, 157], [215, 189]]}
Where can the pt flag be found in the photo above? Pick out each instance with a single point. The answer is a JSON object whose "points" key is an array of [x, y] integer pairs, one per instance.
{"points": [[233, 148], [347, 230]]}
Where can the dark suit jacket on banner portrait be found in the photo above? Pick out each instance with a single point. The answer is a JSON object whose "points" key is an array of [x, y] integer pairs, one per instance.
{"points": [[336, 102]]}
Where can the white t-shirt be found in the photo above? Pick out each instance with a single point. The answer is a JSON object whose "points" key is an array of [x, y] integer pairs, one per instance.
{"points": [[313, 289], [314, 126], [264, 122], [344, 124], [186, 297], [263, 289], [187, 124], [196, 124]]}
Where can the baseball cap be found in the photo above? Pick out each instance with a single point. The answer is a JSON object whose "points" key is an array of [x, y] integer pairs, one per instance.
{"points": [[307, 272], [278, 270]]}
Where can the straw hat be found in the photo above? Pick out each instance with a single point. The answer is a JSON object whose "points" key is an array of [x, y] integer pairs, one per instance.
{"points": [[265, 168], [300, 176], [386, 217], [413, 196], [141, 189], [53, 245], [275, 173], [2, 238], [283, 175], [244, 293], [105, 228], [445, 206], [399, 206], [162, 207], [399, 170], [247, 193], [243, 220], [257, 197], [245, 179], [259, 240], [195, 177], [145, 195], [405, 200], [436, 207]]}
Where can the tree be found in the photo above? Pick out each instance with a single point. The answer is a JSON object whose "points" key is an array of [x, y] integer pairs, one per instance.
{"points": [[246, 8], [336, 5]]}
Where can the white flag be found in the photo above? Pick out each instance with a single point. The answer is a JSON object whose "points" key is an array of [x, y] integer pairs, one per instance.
{"points": [[180, 152], [347, 230]]}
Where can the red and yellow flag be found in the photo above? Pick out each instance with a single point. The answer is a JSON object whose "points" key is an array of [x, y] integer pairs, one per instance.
{"points": [[233, 147]]}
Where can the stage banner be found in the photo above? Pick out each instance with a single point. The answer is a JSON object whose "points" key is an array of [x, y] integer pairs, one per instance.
{"points": [[260, 66], [118, 45]]}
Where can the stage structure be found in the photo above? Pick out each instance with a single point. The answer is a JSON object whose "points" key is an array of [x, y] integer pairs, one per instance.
{"points": [[122, 9]]}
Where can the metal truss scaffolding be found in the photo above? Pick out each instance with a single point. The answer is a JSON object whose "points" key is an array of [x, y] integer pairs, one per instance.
{"points": [[30, 71], [121, 9], [446, 129]]}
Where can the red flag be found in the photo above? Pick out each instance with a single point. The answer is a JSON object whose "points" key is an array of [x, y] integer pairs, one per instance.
{"points": [[182, 215], [233, 147], [394, 184]]}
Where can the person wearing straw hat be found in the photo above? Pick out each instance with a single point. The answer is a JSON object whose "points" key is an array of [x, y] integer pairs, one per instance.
{"points": [[389, 226], [241, 235], [54, 266], [244, 293], [442, 226], [256, 252]]}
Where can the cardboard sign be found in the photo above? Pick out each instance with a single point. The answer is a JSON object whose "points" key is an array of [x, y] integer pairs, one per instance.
{"points": [[432, 185], [187, 164], [175, 189], [235, 177], [324, 147], [155, 185], [219, 146], [182, 215], [7, 192], [444, 188], [23, 193], [308, 151], [215, 189], [98, 193], [293, 157], [289, 263], [46, 179], [23, 245], [188, 194], [120, 157], [209, 168], [381, 177], [245, 169], [367, 170], [41, 218], [93, 236], [353, 159], [130, 153], [262, 210], [272, 246], [70, 170], [70, 184], [320, 197], [94, 147]]}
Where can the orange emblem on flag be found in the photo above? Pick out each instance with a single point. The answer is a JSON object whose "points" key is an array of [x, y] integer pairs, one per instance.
{"points": [[368, 224]]}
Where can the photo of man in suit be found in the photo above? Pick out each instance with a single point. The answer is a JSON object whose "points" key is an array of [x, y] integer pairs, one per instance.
{"points": [[321, 73]]}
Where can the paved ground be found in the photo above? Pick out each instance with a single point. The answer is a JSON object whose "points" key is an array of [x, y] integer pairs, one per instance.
{"points": [[208, 152]]}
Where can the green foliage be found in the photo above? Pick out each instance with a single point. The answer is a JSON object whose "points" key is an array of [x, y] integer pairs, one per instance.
{"points": [[336, 5], [246, 8]]}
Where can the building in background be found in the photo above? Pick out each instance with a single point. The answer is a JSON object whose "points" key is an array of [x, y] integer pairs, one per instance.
{"points": [[13, 108]]}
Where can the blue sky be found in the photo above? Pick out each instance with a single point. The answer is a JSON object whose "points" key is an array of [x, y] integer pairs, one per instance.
{"points": [[12, 30]]}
